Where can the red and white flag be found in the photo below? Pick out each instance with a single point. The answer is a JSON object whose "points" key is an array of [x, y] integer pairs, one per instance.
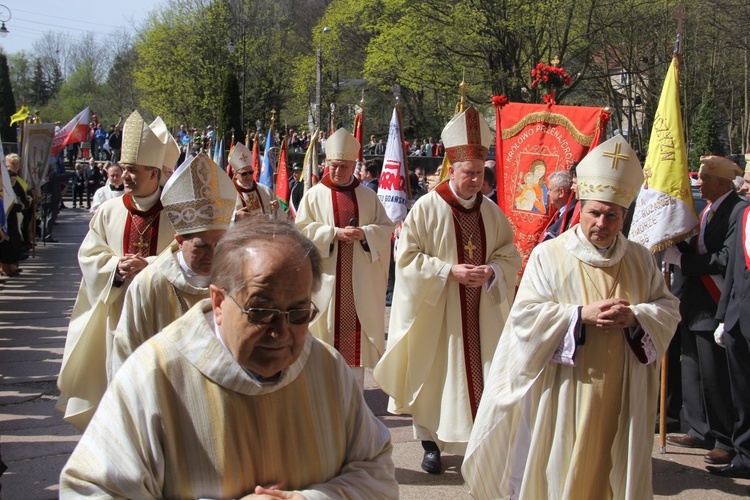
{"points": [[393, 183], [76, 130]]}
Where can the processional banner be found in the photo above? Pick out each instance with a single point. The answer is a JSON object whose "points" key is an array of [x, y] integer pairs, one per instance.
{"points": [[533, 141]]}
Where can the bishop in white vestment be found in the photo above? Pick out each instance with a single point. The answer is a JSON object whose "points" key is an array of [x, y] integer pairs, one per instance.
{"points": [[199, 201], [253, 199], [569, 407], [124, 235], [350, 228], [456, 270]]}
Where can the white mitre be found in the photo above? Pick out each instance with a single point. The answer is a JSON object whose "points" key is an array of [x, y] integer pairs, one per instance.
{"points": [[466, 137], [610, 173], [240, 158], [172, 150], [199, 197], [342, 146], [140, 145]]}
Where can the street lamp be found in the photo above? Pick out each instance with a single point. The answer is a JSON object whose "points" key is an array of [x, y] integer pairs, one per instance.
{"points": [[318, 114], [4, 17]]}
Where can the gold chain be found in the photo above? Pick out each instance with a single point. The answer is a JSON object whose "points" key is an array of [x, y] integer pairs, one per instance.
{"points": [[612, 291]]}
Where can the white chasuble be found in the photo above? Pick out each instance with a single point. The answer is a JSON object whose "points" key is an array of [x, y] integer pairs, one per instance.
{"points": [[157, 296], [427, 367], [551, 430], [257, 201], [358, 306], [112, 232], [182, 419]]}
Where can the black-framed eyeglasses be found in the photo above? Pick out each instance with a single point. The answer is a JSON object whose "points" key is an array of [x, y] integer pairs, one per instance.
{"points": [[263, 316], [245, 172]]}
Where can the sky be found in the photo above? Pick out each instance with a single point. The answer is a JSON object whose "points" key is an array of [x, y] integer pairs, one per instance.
{"points": [[31, 19]]}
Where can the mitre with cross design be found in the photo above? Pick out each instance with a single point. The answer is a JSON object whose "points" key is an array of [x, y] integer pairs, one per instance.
{"points": [[240, 158], [610, 173], [199, 197]]}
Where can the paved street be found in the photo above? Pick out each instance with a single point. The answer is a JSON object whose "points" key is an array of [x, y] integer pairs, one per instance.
{"points": [[35, 443]]}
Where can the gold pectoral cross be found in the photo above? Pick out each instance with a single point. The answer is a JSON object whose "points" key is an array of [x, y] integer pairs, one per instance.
{"points": [[470, 247], [142, 246]]}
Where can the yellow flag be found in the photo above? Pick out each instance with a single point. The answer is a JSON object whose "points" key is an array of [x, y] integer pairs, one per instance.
{"points": [[664, 213], [20, 115]]}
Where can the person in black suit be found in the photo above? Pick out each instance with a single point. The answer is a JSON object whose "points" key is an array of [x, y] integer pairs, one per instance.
{"points": [[370, 173], [706, 396], [734, 334], [93, 177], [489, 189]]}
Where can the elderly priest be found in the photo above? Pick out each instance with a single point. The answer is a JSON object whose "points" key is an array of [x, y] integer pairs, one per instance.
{"points": [[236, 397], [568, 409]]}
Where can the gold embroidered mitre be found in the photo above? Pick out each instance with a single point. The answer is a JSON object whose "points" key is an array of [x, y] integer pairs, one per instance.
{"points": [[140, 145], [610, 173], [467, 137], [240, 158], [718, 166], [199, 197], [342, 146]]}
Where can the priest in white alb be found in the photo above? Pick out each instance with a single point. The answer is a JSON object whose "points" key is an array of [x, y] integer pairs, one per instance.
{"points": [[236, 397], [199, 200], [456, 269], [125, 235], [352, 231], [253, 199], [569, 407]]}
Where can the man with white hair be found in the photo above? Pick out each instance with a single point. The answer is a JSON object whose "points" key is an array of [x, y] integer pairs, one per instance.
{"points": [[125, 235], [562, 201], [199, 200]]}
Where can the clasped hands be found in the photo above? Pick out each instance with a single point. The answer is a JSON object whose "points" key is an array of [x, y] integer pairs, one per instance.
{"points": [[609, 313], [130, 264], [272, 492], [349, 234], [471, 275]]}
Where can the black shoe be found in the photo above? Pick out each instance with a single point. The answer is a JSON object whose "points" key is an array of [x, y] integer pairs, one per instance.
{"points": [[49, 239], [687, 441], [730, 470], [431, 462]]}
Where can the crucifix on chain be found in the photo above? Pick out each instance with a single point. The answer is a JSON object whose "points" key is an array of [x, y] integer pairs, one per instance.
{"points": [[470, 247]]}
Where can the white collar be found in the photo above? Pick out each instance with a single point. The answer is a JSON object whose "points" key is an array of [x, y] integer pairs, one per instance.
{"points": [[464, 203], [715, 205], [193, 278], [144, 203]]}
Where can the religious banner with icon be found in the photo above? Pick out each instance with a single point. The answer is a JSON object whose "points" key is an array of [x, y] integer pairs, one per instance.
{"points": [[531, 142], [37, 143]]}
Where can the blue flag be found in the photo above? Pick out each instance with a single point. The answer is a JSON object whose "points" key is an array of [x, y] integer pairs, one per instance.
{"points": [[266, 170]]}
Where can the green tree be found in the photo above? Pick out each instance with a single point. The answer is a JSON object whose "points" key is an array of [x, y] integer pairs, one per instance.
{"points": [[20, 75], [39, 93], [7, 101], [705, 131], [229, 115]]}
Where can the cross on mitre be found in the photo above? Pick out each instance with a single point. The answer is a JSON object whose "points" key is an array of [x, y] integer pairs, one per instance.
{"points": [[616, 156], [243, 157]]}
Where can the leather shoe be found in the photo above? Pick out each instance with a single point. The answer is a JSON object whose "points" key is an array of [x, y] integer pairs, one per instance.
{"points": [[717, 456], [431, 462], [49, 239], [730, 470], [688, 441]]}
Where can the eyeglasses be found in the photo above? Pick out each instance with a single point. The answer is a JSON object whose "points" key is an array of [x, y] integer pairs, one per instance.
{"points": [[262, 316], [245, 172]]}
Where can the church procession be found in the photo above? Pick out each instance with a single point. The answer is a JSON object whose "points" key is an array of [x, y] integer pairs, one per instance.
{"points": [[531, 306]]}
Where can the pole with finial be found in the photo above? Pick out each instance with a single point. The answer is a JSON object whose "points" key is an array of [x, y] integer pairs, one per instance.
{"points": [[462, 88]]}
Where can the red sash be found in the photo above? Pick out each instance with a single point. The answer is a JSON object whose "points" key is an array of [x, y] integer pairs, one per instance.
{"points": [[743, 237], [141, 228], [708, 283]]}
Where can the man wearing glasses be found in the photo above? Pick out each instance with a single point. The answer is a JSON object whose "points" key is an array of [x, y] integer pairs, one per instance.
{"points": [[350, 228], [125, 235], [253, 199], [236, 397]]}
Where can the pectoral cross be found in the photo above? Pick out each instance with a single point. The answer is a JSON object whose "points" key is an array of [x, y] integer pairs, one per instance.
{"points": [[470, 247], [142, 246], [616, 156]]}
